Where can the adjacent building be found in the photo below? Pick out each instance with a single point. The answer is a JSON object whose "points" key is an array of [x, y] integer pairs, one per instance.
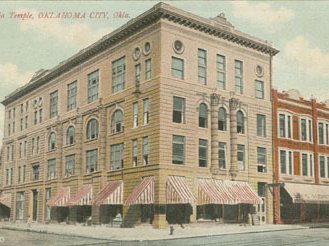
{"points": [[301, 158], [168, 115]]}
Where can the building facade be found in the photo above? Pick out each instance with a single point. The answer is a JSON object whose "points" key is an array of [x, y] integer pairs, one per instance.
{"points": [[165, 120], [301, 163]]}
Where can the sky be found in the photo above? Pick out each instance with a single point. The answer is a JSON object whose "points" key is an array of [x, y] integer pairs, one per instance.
{"points": [[299, 29]]}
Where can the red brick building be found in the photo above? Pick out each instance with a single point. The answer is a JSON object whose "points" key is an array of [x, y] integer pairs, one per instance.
{"points": [[301, 158]]}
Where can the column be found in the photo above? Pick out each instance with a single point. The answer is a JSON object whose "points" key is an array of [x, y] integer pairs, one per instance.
{"points": [[234, 139], [277, 210], [78, 146], [214, 133]]}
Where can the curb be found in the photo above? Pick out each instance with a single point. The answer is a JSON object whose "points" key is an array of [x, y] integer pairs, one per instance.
{"points": [[150, 240]]}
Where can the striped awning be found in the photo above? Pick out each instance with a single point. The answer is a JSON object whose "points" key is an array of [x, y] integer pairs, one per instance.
{"points": [[308, 193], [111, 194], [83, 196], [5, 199], [178, 191], [61, 199], [243, 192], [212, 191], [143, 192]]}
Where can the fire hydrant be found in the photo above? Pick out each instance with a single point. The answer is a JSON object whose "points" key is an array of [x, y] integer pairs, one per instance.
{"points": [[171, 230]]}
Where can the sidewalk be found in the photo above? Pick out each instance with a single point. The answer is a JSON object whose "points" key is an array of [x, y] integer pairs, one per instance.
{"points": [[146, 232]]}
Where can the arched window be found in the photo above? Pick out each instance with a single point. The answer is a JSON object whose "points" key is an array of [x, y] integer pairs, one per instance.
{"points": [[70, 135], [222, 119], [203, 115], [52, 141], [117, 122], [240, 122], [92, 129]]}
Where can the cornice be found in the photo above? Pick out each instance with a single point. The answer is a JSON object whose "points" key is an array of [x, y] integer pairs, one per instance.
{"points": [[153, 15]]}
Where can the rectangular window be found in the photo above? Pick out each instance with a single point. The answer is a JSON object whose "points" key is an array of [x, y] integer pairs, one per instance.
{"points": [[48, 196], [148, 69], [137, 73], [285, 125], [221, 72], [259, 86], [51, 169], [303, 129], [116, 156], [304, 164], [202, 66], [179, 110], [93, 86], [11, 176], [203, 153], [261, 125], [72, 96], [9, 129], [261, 160], [35, 172], [146, 111], [33, 146], [282, 125], [7, 176], [118, 74], [91, 160], [53, 104], [222, 155], [20, 150], [283, 162], [22, 109], [135, 152], [25, 148], [135, 114], [24, 172], [238, 76], [327, 167], [14, 127], [19, 174], [37, 144], [327, 134], [321, 133], [322, 167], [35, 117], [26, 122], [177, 68], [241, 157], [69, 166], [40, 115], [145, 150], [178, 149], [20, 204], [21, 125]]}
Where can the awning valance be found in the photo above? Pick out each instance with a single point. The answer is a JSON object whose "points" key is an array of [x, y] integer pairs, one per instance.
{"points": [[307, 193], [178, 191], [243, 192], [61, 199], [5, 199], [83, 196], [143, 192], [212, 191], [111, 194]]}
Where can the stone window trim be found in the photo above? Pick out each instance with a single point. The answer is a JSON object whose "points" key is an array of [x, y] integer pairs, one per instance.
{"points": [[147, 49], [309, 171], [178, 47], [306, 129], [70, 135], [288, 164], [52, 141], [92, 133], [117, 121], [203, 114]]}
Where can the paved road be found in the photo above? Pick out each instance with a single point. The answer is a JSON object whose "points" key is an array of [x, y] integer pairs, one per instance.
{"points": [[303, 237]]}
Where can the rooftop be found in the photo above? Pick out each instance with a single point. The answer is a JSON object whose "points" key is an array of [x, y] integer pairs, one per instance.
{"points": [[218, 27]]}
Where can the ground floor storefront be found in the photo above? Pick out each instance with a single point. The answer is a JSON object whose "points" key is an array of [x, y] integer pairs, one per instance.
{"points": [[301, 203], [175, 201]]}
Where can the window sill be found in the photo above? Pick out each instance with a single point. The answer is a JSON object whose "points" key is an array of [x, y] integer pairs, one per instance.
{"points": [[91, 140], [50, 150]]}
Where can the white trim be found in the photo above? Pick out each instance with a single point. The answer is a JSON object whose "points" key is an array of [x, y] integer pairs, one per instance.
{"points": [[286, 114], [310, 156], [289, 172]]}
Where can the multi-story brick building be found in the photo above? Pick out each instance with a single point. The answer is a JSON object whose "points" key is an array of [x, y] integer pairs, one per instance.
{"points": [[301, 158], [153, 121]]}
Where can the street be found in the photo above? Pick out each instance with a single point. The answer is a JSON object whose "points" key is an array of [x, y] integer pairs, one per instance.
{"points": [[319, 237]]}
